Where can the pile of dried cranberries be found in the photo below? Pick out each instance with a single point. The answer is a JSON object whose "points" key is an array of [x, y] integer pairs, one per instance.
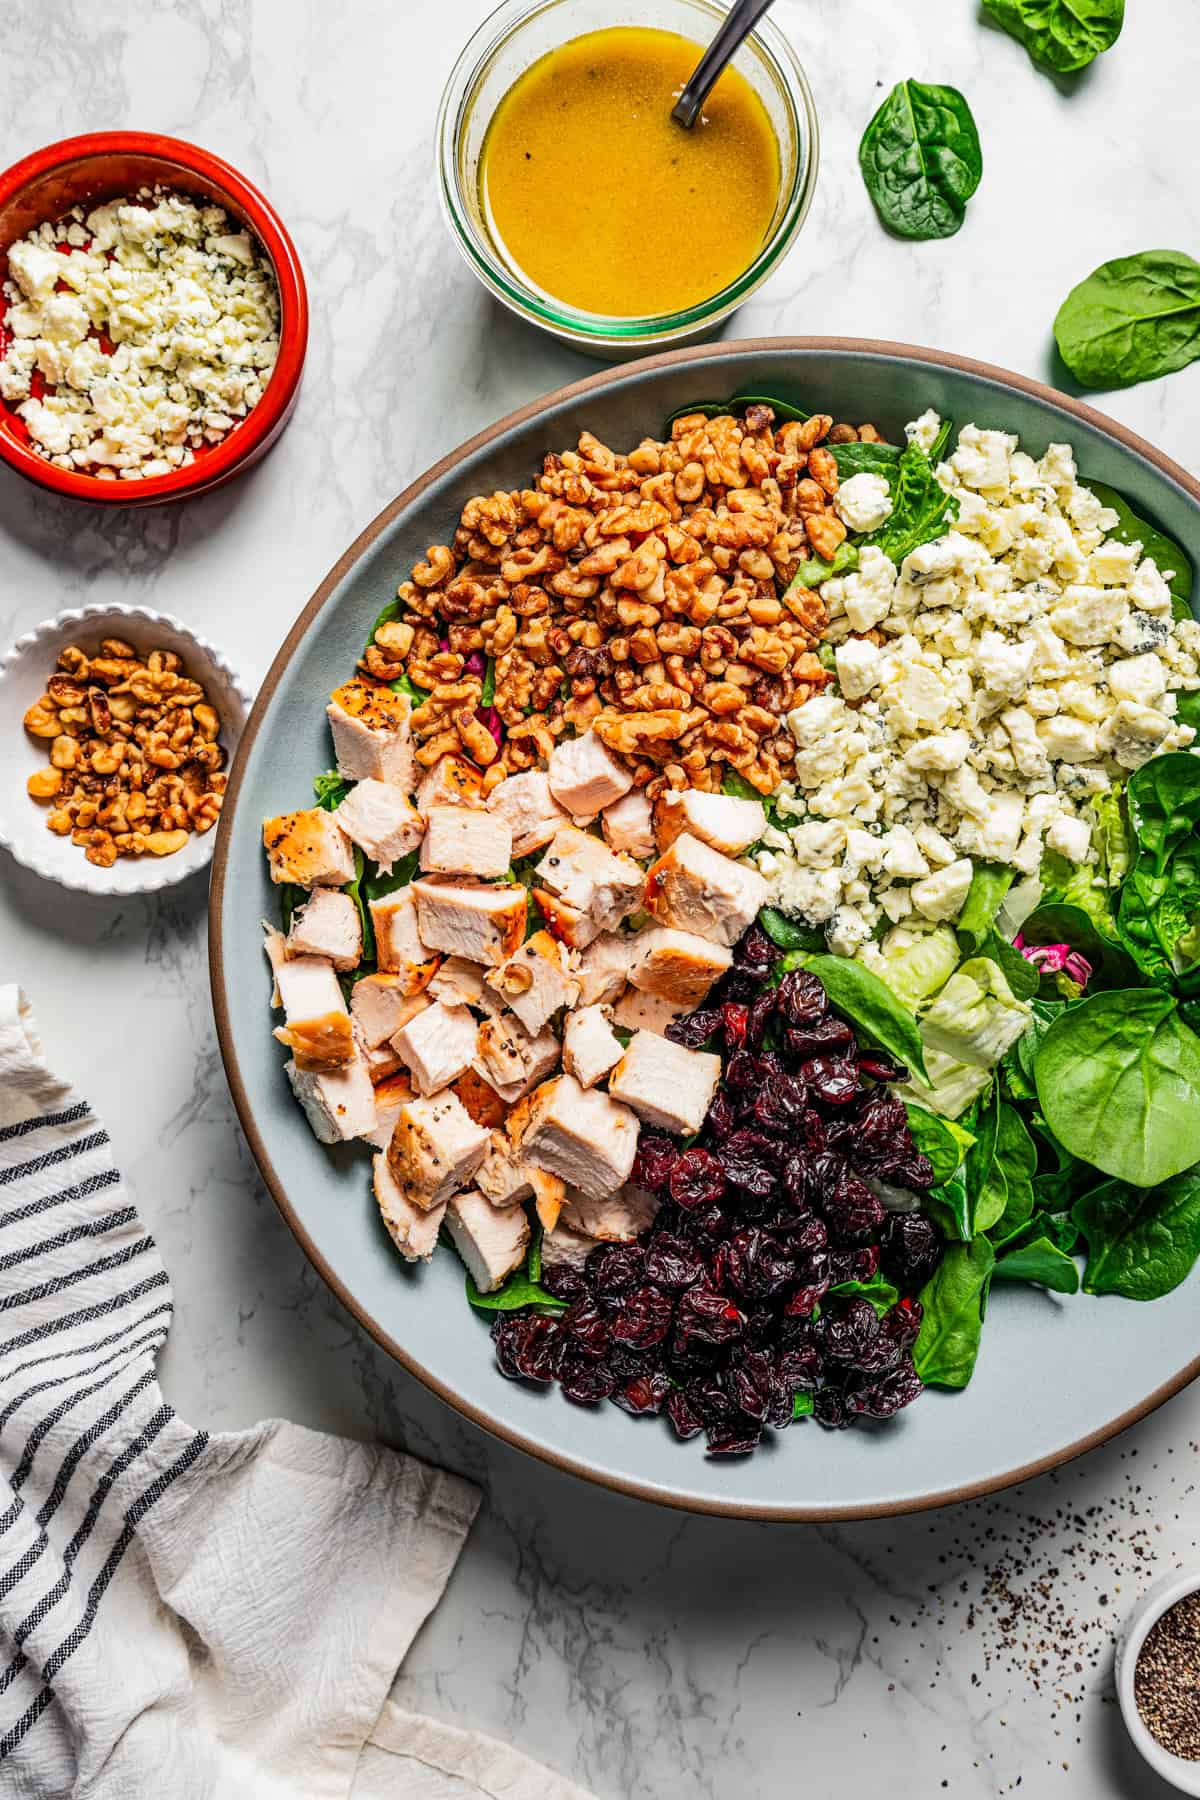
{"points": [[727, 1309]]}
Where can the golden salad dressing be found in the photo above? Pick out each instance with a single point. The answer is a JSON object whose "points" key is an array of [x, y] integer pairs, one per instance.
{"points": [[595, 194]]}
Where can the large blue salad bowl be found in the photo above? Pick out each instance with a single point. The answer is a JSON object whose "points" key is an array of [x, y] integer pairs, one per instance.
{"points": [[1055, 1376]]}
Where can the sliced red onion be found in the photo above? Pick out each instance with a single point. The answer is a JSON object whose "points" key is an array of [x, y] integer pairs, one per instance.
{"points": [[1056, 959], [476, 663]]}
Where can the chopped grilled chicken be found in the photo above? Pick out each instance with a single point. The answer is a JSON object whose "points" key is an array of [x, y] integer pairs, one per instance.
{"points": [[580, 1134], [339, 1104], [483, 924], [677, 965], [491, 1240], [506, 1178], [327, 925], [536, 980], [590, 1046], [459, 841], [582, 872], [528, 808], [308, 848], [666, 1085], [452, 781], [390, 1096], [372, 740], [604, 967], [413, 1230], [570, 926], [382, 821], [585, 776], [616, 1219], [512, 1060], [462, 983], [400, 948], [636, 1011], [317, 1029], [324, 1043], [695, 888], [381, 1004], [437, 1046], [628, 825], [382, 1062], [436, 1148], [564, 1248], [481, 1100], [722, 821]]}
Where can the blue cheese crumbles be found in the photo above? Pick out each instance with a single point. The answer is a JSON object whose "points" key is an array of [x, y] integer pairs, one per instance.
{"points": [[190, 306], [992, 685]]}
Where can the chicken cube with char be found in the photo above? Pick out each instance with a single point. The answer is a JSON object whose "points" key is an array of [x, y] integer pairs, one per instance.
{"points": [[390, 1096], [452, 781], [677, 965], [535, 980], [491, 1240], [585, 776], [482, 924], [628, 825], [529, 809], [308, 849], [462, 983], [437, 1046], [506, 1178], [339, 1104], [614, 1219], [588, 884], [590, 1046], [694, 888], [400, 949], [382, 821], [604, 967], [481, 1100], [511, 1059], [413, 1229], [317, 1026], [328, 925], [724, 822], [382, 1063], [578, 1133], [379, 1005], [372, 736], [436, 1148], [460, 841], [636, 1011], [666, 1085]]}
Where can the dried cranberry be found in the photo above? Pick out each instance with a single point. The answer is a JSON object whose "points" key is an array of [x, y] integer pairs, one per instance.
{"points": [[709, 1224], [671, 1262], [762, 1326], [583, 1380], [743, 1073], [586, 1326], [758, 1019], [697, 1180], [685, 1421], [733, 1440], [880, 1067], [833, 1080], [828, 1036], [722, 1117], [626, 1362], [912, 1249], [800, 1367], [706, 1317], [781, 1104], [780, 1411], [694, 1029], [903, 1323], [911, 1170], [852, 1210], [733, 1021], [643, 1320], [756, 953], [881, 1398], [644, 1394], [754, 1264], [564, 1282], [748, 1383], [882, 1126], [746, 1158], [614, 1270], [656, 1157], [822, 1174], [807, 1237], [848, 1334], [509, 1332], [858, 1264], [802, 1303], [709, 1400], [538, 1358], [829, 1409], [801, 999]]}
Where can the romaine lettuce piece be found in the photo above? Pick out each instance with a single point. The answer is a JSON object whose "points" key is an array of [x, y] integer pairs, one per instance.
{"points": [[976, 1016], [954, 1085], [915, 967]]}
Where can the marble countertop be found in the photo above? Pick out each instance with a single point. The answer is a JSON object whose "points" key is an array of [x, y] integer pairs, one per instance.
{"points": [[643, 1652]]}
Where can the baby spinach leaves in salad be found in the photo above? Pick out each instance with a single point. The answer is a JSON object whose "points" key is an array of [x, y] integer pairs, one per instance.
{"points": [[952, 1321], [1159, 912], [1140, 1243], [921, 160], [1132, 319], [1063, 35], [523, 1287], [869, 1005], [921, 510], [1172, 562]]}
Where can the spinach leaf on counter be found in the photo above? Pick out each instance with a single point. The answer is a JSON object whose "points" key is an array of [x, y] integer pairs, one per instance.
{"points": [[1172, 562], [1063, 35], [1132, 319], [921, 160], [1160, 899], [866, 1002], [952, 1299], [1118, 1081], [1141, 1242], [989, 884]]}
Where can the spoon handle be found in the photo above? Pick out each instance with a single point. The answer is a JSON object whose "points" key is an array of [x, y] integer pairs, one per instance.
{"points": [[739, 23]]}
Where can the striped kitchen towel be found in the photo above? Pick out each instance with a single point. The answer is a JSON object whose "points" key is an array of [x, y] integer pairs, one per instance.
{"points": [[181, 1614]]}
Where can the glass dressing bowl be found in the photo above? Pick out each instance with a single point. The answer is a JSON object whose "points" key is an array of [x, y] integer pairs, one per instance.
{"points": [[514, 37]]}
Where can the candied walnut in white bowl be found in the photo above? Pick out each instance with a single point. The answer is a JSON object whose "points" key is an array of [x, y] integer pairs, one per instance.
{"points": [[117, 729]]}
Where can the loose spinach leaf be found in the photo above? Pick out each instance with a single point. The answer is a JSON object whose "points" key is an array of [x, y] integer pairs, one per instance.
{"points": [[787, 933], [867, 459], [1160, 899], [1041, 1261], [921, 160], [868, 1004], [1063, 35], [1112, 965], [921, 508], [1173, 563], [1132, 319], [952, 1300], [878, 1290], [330, 789], [941, 1140], [989, 884], [937, 450], [1118, 1080], [802, 1406], [1141, 1242]]}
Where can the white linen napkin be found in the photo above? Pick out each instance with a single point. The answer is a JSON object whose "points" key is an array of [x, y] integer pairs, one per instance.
{"points": [[181, 1614]]}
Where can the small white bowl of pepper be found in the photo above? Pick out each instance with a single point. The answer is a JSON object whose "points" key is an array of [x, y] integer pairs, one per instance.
{"points": [[1158, 1679], [117, 728]]}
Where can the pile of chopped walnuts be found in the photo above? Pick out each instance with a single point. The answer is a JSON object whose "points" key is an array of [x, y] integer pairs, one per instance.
{"points": [[135, 766], [641, 595]]}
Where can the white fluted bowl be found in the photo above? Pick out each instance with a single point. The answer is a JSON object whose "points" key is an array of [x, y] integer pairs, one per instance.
{"points": [[24, 673], [1181, 1773]]}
